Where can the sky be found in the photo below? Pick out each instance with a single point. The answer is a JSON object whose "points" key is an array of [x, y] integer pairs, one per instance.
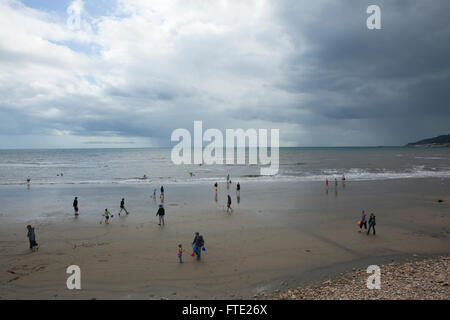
{"points": [[116, 73]]}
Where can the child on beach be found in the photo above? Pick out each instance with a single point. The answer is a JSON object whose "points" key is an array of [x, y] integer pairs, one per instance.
{"points": [[215, 186], [180, 253], [106, 215], [32, 237], [372, 223], [363, 221], [154, 193]]}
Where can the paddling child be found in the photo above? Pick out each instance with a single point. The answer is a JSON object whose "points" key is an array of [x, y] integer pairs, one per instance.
{"points": [[215, 187], [180, 253], [238, 187], [161, 212], [363, 221], [28, 180], [197, 245], [122, 206], [154, 193], [32, 238], [106, 215], [75, 205], [162, 192], [229, 209], [372, 223]]}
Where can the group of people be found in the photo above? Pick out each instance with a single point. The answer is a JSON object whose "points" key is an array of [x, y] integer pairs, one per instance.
{"points": [[238, 193], [197, 246], [107, 215], [335, 181], [363, 222]]}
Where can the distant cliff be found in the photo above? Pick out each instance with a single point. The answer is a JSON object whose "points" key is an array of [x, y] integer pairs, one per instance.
{"points": [[440, 141]]}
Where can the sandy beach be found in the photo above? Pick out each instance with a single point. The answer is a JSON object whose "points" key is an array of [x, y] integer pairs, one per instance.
{"points": [[295, 233]]}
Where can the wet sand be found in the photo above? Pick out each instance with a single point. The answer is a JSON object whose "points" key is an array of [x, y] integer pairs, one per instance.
{"points": [[279, 232]]}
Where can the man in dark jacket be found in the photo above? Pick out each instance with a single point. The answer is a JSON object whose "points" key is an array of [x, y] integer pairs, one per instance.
{"points": [[32, 237], [75, 205], [161, 212], [197, 244]]}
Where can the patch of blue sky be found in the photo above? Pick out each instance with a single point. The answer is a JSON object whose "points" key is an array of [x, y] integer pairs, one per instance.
{"points": [[80, 47], [93, 8]]}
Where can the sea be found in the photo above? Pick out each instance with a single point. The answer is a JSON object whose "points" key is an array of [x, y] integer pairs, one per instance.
{"points": [[154, 166]]}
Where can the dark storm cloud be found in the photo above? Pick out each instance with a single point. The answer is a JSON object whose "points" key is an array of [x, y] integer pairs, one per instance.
{"points": [[350, 72]]}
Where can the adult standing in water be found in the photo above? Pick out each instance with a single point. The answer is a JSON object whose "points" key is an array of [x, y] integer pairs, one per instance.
{"points": [[162, 192], [122, 206], [75, 205]]}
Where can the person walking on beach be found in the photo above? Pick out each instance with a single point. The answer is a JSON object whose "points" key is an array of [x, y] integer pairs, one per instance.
{"points": [[75, 205], [106, 215], [372, 223], [122, 206], [326, 182], [32, 238], [28, 180], [161, 212], [229, 209], [215, 187], [154, 193], [363, 221], [228, 177], [197, 244], [238, 193], [335, 182], [162, 192], [180, 253]]}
